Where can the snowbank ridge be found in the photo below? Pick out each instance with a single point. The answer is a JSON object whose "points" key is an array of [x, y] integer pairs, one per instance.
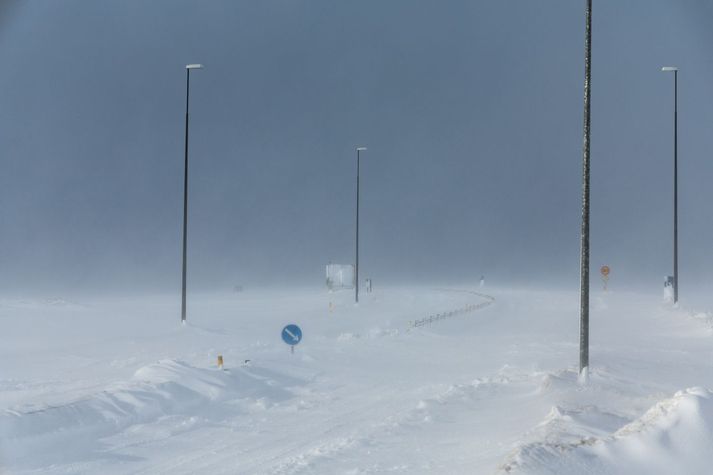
{"points": [[674, 436], [167, 387]]}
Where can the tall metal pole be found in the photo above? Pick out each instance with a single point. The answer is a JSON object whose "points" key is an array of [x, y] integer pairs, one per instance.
{"points": [[675, 187], [584, 254], [674, 69], [185, 192], [356, 268], [185, 202]]}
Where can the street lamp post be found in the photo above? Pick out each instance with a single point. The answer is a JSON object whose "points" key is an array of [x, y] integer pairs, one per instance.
{"points": [[189, 67], [584, 250], [356, 267], [675, 179]]}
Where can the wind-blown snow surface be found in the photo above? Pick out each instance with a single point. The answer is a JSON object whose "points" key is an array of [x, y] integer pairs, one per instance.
{"points": [[119, 386]]}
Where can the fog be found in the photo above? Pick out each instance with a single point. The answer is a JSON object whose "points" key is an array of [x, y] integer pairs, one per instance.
{"points": [[471, 112]]}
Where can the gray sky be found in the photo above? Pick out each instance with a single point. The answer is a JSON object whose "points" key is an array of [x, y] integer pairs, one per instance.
{"points": [[472, 112]]}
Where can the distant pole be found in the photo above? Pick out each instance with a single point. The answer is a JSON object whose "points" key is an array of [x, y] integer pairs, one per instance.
{"points": [[185, 193], [675, 179], [675, 188], [584, 255], [356, 267]]}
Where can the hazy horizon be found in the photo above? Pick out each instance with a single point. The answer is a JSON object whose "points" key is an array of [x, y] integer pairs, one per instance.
{"points": [[472, 113]]}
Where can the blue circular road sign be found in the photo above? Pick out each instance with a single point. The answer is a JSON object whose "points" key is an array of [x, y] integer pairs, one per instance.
{"points": [[291, 334]]}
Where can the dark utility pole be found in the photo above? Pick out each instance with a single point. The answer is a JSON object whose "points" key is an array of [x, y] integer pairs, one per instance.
{"points": [[356, 267], [185, 193], [675, 179], [584, 255], [675, 187]]}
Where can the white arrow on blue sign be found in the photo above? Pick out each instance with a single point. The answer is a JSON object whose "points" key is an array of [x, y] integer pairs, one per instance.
{"points": [[291, 334]]}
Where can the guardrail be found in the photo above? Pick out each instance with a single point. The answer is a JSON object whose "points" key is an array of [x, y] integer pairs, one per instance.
{"points": [[489, 300]]}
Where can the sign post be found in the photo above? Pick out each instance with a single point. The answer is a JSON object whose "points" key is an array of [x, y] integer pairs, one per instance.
{"points": [[668, 283], [292, 335], [605, 276]]}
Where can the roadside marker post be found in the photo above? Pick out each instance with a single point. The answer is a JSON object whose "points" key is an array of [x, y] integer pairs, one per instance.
{"points": [[605, 276]]}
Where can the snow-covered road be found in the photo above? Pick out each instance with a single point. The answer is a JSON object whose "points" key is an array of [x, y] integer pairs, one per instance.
{"points": [[118, 386]]}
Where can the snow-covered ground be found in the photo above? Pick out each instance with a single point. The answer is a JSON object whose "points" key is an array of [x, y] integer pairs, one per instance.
{"points": [[119, 386]]}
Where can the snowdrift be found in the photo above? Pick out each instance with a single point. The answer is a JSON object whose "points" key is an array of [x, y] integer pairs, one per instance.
{"points": [[674, 436], [166, 388]]}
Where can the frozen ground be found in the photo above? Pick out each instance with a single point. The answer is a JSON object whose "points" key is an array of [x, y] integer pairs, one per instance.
{"points": [[119, 386]]}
